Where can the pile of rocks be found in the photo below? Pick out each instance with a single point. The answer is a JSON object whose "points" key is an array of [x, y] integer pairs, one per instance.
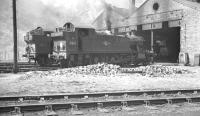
{"points": [[157, 70], [110, 69], [96, 69]]}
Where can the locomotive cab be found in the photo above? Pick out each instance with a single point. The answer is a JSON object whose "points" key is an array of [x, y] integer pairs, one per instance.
{"points": [[138, 50], [64, 40], [39, 45], [76, 45]]}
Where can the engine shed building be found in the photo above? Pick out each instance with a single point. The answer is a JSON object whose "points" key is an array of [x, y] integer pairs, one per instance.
{"points": [[171, 28]]}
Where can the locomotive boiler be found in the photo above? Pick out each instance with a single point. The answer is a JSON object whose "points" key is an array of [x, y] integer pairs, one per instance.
{"points": [[74, 46]]}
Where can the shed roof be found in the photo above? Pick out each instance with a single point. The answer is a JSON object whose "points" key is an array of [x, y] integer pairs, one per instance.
{"points": [[186, 3], [165, 6], [190, 4]]}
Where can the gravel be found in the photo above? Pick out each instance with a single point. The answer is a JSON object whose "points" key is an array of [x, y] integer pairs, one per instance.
{"points": [[157, 70], [104, 69], [96, 69]]}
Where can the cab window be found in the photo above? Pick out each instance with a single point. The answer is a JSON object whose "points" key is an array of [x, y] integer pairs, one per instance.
{"points": [[59, 46]]}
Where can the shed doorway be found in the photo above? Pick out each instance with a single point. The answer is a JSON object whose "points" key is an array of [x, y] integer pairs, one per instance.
{"points": [[167, 44]]}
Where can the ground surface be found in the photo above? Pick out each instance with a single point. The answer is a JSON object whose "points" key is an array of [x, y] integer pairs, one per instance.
{"points": [[70, 81]]}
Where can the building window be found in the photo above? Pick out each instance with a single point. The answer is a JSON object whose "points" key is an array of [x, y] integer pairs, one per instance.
{"points": [[155, 6]]}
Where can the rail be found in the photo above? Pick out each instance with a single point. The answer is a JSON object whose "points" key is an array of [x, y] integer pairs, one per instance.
{"points": [[77, 101]]}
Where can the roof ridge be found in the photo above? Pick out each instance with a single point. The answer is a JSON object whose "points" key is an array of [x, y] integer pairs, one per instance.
{"points": [[183, 2], [97, 17]]}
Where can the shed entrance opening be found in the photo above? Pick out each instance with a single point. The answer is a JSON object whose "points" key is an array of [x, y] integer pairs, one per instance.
{"points": [[167, 44]]}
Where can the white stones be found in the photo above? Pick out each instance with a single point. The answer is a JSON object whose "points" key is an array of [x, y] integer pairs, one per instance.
{"points": [[96, 69], [159, 70]]}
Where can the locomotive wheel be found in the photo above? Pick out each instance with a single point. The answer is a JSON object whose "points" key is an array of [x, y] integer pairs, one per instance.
{"points": [[40, 61], [63, 63]]}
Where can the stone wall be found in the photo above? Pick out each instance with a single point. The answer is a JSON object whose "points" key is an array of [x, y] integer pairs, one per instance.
{"points": [[190, 36]]}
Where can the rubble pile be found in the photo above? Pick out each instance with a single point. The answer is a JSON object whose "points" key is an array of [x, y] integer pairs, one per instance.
{"points": [[156, 70], [96, 69], [110, 69]]}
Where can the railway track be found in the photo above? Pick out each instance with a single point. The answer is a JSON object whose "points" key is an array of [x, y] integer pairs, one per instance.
{"points": [[7, 67], [74, 103]]}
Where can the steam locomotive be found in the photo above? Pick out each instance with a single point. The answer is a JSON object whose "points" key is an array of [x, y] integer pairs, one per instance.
{"points": [[71, 46]]}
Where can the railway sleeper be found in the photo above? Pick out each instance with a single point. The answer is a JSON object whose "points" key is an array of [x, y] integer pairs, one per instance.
{"points": [[75, 110], [125, 95], [189, 100], [86, 97], [169, 102], [42, 99], [20, 99], [179, 93], [148, 105], [49, 111], [16, 112], [106, 96], [66, 97], [101, 108], [195, 92], [125, 106]]}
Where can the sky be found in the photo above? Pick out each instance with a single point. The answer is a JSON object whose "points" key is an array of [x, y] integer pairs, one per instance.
{"points": [[67, 3]]}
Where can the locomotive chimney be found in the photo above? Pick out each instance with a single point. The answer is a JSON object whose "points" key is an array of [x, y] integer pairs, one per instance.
{"points": [[108, 24], [108, 16]]}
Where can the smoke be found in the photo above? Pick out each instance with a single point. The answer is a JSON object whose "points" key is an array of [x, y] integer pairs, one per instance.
{"points": [[108, 13]]}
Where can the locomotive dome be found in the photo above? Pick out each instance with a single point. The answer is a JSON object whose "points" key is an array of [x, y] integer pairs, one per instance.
{"points": [[68, 26]]}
